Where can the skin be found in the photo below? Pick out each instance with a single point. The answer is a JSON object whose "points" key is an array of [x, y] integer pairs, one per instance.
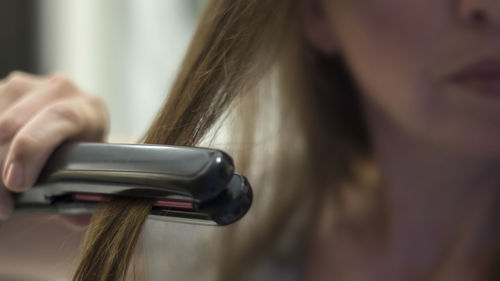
{"points": [[437, 144], [27, 104]]}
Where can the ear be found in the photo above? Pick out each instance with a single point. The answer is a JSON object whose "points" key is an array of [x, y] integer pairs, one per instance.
{"points": [[316, 27]]}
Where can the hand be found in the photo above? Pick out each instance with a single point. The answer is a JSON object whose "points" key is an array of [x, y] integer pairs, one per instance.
{"points": [[37, 113]]}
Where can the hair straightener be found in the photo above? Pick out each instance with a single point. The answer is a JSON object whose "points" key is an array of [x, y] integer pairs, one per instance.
{"points": [[188, 184]]}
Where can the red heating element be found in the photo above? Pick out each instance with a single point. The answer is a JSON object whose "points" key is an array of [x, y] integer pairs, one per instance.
{"points": [[177, 204]]}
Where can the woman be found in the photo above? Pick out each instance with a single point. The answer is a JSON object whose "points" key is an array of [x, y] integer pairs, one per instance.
{"points": [[386, 164]]}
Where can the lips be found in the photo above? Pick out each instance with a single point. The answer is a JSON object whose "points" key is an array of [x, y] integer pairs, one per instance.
{"points": [[482, 78]]}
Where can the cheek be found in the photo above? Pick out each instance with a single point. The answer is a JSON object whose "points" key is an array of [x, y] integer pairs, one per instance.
{"points": [[380, 43], [395, 50]]}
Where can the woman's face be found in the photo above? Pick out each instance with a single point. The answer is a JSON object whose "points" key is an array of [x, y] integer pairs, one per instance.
{"points": [[403, 53]]}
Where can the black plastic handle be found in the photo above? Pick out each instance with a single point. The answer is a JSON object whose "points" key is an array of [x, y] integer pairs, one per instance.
{"points": [[200, 173]]}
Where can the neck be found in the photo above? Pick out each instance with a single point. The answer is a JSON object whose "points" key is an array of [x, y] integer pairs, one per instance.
{"points": [[441, 205]]}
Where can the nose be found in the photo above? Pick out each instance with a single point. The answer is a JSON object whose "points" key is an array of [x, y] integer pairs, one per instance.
{"points": [[479, 12]]}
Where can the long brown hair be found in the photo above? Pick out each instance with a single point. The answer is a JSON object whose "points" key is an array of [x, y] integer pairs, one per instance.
{"points": [[291, 116]]}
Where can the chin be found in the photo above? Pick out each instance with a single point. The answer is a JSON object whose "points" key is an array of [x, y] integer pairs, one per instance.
{"points": [[473, 146]]}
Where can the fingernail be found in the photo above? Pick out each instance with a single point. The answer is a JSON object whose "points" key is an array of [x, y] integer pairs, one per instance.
{"points": [[14, 177]]}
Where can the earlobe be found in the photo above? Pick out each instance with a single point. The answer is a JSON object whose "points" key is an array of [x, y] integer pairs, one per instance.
{"points": [[316, 27]]}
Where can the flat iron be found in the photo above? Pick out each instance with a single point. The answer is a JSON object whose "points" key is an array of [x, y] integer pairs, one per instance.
{"points": [[188, 184]]}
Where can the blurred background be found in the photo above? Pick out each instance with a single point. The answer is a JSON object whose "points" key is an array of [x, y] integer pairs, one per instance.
{"points": [[126, 51]]}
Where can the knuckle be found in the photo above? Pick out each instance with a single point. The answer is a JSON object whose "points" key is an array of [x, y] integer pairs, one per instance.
{"points": [[15, 83], [24, 144], [10, 75], [99, 106], [97, 117], [96, 102], [16, 74], [9, 125], [61, 85], [64, 111]]}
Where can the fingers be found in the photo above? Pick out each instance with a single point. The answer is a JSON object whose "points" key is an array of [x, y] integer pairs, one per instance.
{"points": [[37, 114], [74, 118], [20, 112], [16, 85]]}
